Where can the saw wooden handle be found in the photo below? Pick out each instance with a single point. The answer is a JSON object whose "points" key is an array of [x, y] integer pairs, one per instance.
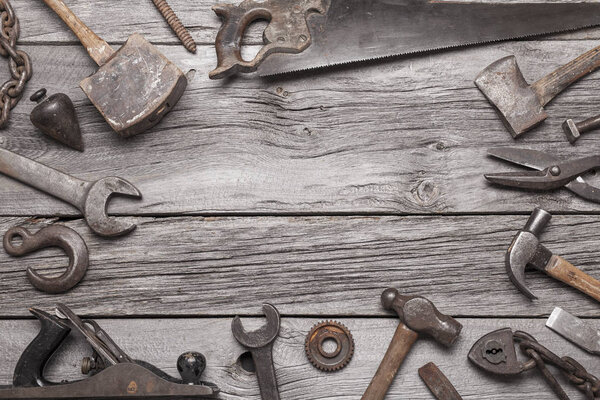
{"points": [[401, 343], [552, 84], [98, 49], [564, 271]]}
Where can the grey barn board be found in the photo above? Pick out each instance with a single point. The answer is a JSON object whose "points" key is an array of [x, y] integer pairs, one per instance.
{"points": [[313, 192]]}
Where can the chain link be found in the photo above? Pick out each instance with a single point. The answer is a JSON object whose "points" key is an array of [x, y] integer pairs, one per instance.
{"points": [[575, 372], [19, 62]]}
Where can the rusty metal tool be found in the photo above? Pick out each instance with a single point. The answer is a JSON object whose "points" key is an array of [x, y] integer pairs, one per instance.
{"points": [[113, 375], [417, 316], [521, 105], [323, 359], [496, 353], [91, 198], [182, 33], [551, 172], [135, 86], [55, 116], [574, 130], [526, 250], [308, 34], [575, 330], [260, 345], [51, 236], [438, 383]]}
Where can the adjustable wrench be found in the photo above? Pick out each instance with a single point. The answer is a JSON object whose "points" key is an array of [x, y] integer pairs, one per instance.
{"points": [[91, 198], [260, 344]]}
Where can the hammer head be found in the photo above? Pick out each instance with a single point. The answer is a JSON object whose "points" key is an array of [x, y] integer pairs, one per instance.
{"points": [[515, 100], [136, 87], [420, 315], [526, 249]]}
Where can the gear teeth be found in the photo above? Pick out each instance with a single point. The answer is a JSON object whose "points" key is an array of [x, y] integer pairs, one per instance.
{"points": [[309, 353]]}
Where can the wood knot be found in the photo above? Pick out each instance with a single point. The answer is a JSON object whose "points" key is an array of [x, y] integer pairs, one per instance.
{"points": [[426, 192]]}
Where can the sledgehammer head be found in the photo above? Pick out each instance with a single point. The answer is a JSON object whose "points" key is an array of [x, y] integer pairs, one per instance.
{"points": [[526, 249], [136, 87], [515, 100]]}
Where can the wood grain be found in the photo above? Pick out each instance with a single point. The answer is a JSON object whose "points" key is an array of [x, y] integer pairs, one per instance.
{"points": [[160, 341], [307, 266]]}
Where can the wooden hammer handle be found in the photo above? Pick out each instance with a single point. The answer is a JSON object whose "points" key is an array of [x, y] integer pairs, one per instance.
{"points": [[551, 85], [401, 343], [98, 49], [564, 271]]}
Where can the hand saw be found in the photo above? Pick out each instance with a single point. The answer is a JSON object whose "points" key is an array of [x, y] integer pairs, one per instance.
{"points": [[308, 34]]}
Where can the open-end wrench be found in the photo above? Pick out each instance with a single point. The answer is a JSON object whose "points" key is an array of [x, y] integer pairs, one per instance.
{"points": [[91, 198], [260, 345]]}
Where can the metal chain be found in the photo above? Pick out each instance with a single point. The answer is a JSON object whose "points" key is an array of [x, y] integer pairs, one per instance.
{"points": [[19, 62], [575, 372]]}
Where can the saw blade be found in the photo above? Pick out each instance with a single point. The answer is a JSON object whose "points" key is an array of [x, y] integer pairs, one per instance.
{"points": [[362, 30]]}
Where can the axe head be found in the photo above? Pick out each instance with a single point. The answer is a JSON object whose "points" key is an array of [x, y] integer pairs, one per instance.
{"points": [[136, 87], [515, 100]]}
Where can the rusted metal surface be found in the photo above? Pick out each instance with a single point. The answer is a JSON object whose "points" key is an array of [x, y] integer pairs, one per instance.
{"points": [[438, 383], [51, 236], [575, 329], [418, 316], [323, 359], [520, 105], [91, 198], [19, 62], [117, 376], [553, 173], [260, 345], [169, 15], [574, 130], [526, 250], [55, 116], [496, 353]]}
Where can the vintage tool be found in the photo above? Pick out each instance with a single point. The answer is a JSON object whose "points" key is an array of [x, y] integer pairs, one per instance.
{"points": [[437, 382], [51, 236], [169, 15], [114, 374], [309, 34], [575, 330], [323, 359], [135, 87], [260, 345], [521, 105], [417, 316], [91, 198], [19, 62], [55, 116], [553, 173], [496, 354], [575, 130], [526, 250]]}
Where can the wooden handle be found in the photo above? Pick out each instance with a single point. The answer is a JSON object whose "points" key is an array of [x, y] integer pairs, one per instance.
{"points": [[402, 342], [551, 85], [98, 49], [564, 271]]}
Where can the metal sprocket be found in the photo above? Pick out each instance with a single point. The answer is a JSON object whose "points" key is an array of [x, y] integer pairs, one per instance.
{"points": [[318, 356]]}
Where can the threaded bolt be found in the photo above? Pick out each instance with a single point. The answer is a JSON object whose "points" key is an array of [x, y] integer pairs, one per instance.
{"points": [[182, 33]]}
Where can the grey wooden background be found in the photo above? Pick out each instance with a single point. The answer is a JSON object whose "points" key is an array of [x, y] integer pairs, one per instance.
{"points": [[313, 192]]}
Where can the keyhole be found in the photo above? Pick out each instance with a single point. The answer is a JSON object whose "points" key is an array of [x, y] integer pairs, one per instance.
{"points": [[493, 352]]}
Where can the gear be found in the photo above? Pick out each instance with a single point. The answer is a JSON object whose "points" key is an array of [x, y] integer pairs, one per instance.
{"points": [[340, 356]]}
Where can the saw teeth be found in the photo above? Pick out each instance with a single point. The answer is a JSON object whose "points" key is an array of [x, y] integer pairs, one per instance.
{"points": [[313, 358]]}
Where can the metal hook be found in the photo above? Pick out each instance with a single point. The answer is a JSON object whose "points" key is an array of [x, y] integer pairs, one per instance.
{"points": [[51, 236]]}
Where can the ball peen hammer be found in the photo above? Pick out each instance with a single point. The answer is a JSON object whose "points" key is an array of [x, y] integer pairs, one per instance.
{"points": [[135, 86], [417, 316], [526, 250]]}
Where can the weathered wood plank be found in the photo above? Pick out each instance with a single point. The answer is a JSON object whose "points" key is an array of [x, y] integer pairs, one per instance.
{"points": [[160, 341], [399, 137], [116, 20], [307, 266]]}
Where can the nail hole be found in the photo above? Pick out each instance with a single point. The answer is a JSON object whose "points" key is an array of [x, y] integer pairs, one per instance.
{"points": [[246, 362]]}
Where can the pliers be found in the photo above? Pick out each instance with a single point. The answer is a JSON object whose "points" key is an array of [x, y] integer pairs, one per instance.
{"points": [[551, 173]]}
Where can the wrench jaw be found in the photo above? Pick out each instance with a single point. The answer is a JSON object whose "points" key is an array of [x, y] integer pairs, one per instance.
{"points": [[261, 337], [96, 203]]}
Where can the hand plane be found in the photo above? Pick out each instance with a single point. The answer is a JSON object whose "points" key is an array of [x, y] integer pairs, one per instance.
{"points": [[112, 373]]}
